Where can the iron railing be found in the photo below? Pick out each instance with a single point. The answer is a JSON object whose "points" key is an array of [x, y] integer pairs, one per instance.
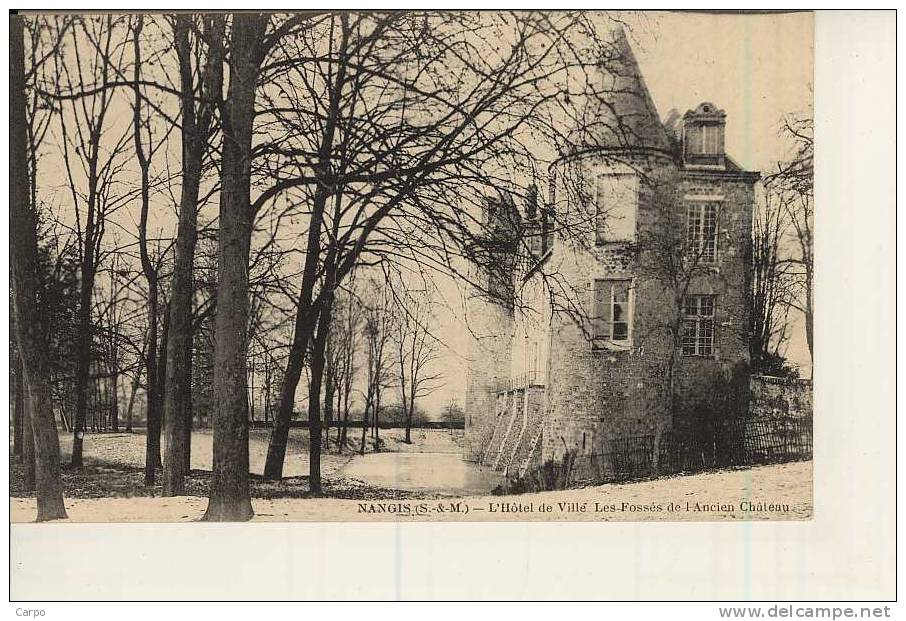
{"points": [[531, 379]]}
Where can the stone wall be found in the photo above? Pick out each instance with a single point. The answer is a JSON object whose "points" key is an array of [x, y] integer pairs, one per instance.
{"points": [[777, 397], [598, 392], [489, 364], [728, 281]]}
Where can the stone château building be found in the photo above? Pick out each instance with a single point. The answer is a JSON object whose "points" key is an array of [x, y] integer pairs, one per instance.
{"points": [[629, 285]]}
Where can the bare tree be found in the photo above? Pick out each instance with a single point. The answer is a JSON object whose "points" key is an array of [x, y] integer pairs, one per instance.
{"points": [[31, 325], [415, 350], [426, 114], [342, 367], [112, 321], [93, 162], [250, 45], [772, 289], [229, 496], [793, 183], [378, 322], [155, 355], [672, 265], [197, 128]]}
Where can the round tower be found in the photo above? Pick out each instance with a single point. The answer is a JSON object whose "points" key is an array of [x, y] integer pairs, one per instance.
{"points": [[613, 183]]}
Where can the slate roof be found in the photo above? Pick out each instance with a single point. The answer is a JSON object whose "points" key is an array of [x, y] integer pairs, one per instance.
{"points": [[621, 115]]}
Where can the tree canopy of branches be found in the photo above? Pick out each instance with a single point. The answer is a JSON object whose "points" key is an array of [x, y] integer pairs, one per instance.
{"points": [[423, 117], [333, 143]]}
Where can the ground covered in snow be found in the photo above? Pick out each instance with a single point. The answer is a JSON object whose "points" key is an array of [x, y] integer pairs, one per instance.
{"points": [[424, 480], [114, 465]]}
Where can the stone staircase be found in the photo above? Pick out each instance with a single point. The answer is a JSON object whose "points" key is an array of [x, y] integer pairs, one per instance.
{"points": [[503, 420], [504, 427], [528, 452], [515, 442], [513, 432]]}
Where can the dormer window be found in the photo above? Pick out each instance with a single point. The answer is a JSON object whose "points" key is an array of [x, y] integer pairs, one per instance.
{"points": [[703, 136]]}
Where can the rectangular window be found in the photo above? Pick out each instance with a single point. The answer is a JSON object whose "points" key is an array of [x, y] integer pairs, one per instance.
{"points": [[701, 231], [616, 200], [613, 311], [710, 140], [704, 140], [698, 325]]}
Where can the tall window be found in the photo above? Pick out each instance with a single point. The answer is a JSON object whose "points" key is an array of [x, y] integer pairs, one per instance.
{"points": [[612, 311], [710, 140], [698, 325], [616, 200], [701, 231]]}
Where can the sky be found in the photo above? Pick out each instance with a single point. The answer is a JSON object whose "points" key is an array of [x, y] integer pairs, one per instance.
{"points": [[756, 68]]}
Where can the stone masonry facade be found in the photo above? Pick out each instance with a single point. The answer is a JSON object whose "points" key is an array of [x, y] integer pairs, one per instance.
{"points": [[676, 237]]}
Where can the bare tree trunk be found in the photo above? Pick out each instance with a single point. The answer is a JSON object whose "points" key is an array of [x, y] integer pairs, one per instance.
{"points": [[152, 412], [267, 391], [162, 379], [95, 403], [177, 404], [64, 416], [343, 435], [28, 454], [229, 497], [115, 403], [306, 314], [409, 411], [377, 421], [809, 318], [31, 324], [369, 402], [364, 425], [314, 406], [329, 390], [129, 407], [187, 456], [19, 409], [276, 448], [302, 333], [83, 354]]}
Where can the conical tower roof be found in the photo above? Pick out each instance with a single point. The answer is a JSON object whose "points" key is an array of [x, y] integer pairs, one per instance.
{"points": [[619, 113]]}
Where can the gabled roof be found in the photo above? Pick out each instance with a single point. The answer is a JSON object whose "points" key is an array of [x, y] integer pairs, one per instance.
{"points": [[621, 114]]}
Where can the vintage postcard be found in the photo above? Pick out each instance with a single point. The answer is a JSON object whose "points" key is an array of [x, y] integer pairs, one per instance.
{"points": [[411, 266]]}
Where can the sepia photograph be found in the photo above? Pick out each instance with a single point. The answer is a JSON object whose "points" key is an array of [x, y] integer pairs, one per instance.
{"points": [[458, 304], [411, 265]]}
